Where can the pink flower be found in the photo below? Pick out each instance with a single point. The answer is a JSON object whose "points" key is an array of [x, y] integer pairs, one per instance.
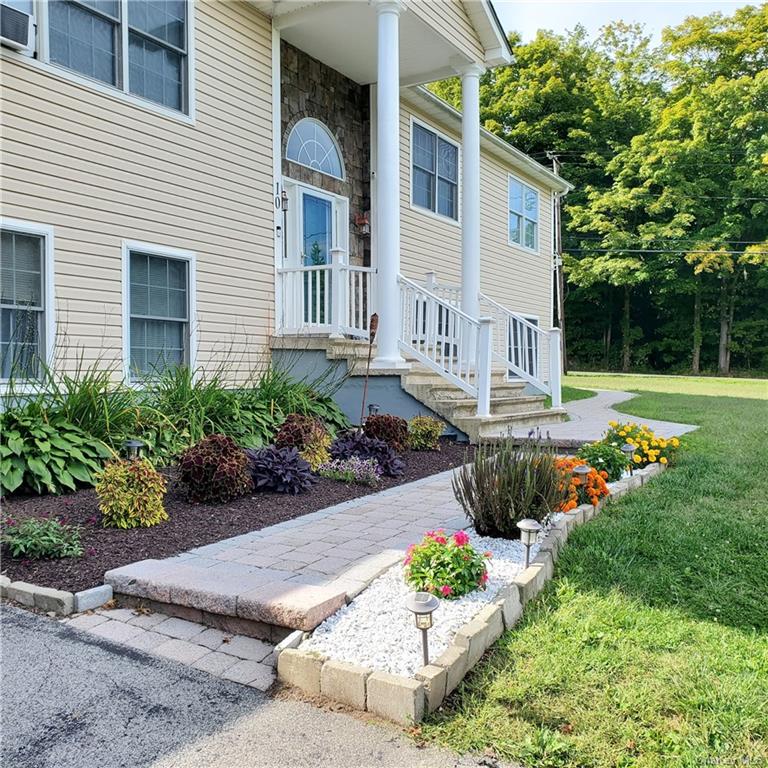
{"points": [[483, 578], [460, 538], [488, 554], [446, 590], [407, 560], [441, 539]]}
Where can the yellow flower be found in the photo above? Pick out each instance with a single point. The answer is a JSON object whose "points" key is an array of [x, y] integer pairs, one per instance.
{"points": [[646, 428], [613, 424], [663, 443], [622, 433], [663, 460], [675, 442], [636, 458], [631, 440], [654, 442]]}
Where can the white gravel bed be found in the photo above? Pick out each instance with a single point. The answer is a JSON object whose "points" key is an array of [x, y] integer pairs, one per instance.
{"points": [[376, 630]]}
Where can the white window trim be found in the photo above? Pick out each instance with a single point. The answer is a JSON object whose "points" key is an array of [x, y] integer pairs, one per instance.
{"points": [[49, 321], [414, 206], [165, 252], [43, 63], [521, 245], [328, 131]]}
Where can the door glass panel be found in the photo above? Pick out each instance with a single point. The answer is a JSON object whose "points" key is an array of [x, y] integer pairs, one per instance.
{"points": [[317, 230]]}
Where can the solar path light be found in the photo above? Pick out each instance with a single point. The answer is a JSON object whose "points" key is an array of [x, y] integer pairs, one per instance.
{"points": [[422, 605], [529, 532]]}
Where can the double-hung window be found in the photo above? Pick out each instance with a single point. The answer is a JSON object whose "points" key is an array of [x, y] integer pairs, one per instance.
{"points": [[24, 303], [159, 311], [523, 214], [435, 172], [137, 46]]}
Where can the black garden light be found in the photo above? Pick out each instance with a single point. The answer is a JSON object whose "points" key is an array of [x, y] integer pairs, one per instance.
{"points": [[422, 605], [628, 450], [529, 532], [133, 449], [373, 409]]}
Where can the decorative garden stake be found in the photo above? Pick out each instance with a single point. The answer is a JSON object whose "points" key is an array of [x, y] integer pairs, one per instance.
{"points": [[422, 605], [628, 450], [133, 449], [373, 325], [529, 531]]}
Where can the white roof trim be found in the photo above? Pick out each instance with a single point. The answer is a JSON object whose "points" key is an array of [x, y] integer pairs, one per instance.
{"points": [[492, 34], [491, 142]]}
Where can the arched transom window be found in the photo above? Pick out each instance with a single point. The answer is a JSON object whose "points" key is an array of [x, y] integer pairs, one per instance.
{"points": [[310, 143]]}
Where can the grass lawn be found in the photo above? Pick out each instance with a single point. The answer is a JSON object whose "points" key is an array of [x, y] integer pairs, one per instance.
{"points": [[569, 394], [650, 647]]}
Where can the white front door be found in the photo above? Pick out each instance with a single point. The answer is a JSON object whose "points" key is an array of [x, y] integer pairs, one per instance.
{"points": [[317, 227]]}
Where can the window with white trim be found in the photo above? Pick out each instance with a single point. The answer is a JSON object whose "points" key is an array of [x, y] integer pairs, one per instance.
{"points": [[434, 172], [310, 143], [159, 312], [137, 46], [22, 303], [523, 214]]}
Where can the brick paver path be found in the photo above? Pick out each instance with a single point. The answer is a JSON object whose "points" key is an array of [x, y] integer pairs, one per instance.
{"points": [[296, 573], [589, 419]]}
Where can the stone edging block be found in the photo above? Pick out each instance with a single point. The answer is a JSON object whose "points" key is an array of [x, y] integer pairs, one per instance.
{"points": [[405, 700], [57, 601]]}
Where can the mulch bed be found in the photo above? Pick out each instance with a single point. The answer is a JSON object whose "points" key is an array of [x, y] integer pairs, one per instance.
{"points": [[190, 525]]}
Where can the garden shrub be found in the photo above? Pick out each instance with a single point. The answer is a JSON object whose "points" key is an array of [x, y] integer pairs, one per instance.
{"points": [[281, 470], [649, 448], [43, 452], [449, 567], [352, 470], [391, 429], [215, 470], [604, 457], [505, 483], [355, 443], [588, 491], [424, 433], [46, 537], [308, 435], [131, 495]]}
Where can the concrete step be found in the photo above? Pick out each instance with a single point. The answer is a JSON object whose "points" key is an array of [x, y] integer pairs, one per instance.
{"points": [[514, 405], [497, 426]]}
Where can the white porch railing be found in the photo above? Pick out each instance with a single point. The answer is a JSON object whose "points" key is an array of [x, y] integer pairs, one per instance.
{"points": [[447, 341], [335, 298]]}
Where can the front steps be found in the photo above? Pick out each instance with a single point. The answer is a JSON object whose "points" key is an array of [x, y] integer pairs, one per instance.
{"points": [[511, 406]]}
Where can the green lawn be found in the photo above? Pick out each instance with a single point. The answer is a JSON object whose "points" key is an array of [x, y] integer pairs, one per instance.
{"points": [[569, 394], [650, 647]]}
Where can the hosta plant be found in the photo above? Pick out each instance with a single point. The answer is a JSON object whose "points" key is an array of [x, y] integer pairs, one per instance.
{"points": [[578, 491], [391, 429], [505, 483], [447, 566], [281, 470], [43, 452], [352, 470], [308, 435], [45, 537], [215, 470], [649, 448], [355, 443], [604, 457], [424, 433], [131, 495]]}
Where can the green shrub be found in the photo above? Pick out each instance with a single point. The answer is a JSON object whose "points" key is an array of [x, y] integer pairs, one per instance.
{"points": [[424, 433], [446, 566], [131, 495], [601, 456], [505, 483], [37, 538], [215, 470], [391, 429], [43, 452]]}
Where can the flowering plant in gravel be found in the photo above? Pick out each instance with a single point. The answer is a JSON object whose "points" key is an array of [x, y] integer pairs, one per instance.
{"points": [[447, 566], [352, 470], [590, 491], [649, 448], [37, 538]]}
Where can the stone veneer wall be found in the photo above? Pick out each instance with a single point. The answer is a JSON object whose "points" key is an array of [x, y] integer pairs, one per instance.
{"points": [[312, 89]]}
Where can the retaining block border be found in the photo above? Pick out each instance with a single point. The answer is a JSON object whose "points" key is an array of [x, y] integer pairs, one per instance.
{"points": [[57, 601]]}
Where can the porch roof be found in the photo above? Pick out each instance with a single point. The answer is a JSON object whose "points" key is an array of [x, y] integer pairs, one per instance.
{"points": [[343, 35]]}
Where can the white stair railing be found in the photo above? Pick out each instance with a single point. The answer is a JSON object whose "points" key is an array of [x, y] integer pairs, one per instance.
{"points": [[447, 341]]}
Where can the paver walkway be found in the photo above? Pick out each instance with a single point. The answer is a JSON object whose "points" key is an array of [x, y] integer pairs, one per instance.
{"points": [[589, 419], [237, 658], [295, 574]]}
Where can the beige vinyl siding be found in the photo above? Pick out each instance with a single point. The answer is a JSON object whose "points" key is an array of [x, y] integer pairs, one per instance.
{"points": [[450, 19], [102, 170], [516, 277]]}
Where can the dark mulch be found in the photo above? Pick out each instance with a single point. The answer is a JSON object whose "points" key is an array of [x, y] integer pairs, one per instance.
{"points": [[190, 525]]}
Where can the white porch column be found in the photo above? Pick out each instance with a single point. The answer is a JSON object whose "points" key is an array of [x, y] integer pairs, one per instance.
{"points": [[470, 189], [388, 184]]}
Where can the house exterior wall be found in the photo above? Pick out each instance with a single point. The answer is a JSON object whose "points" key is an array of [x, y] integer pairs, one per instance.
{"points": [[309, 88], [518, 278], [101, 170], [449, 18]]}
